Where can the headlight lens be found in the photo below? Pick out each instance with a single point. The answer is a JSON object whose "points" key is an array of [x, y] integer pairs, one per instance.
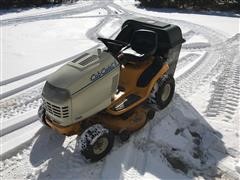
{"points": [[55, 94]]}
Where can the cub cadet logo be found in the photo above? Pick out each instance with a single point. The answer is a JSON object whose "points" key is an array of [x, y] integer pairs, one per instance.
{"points": [[103, 71]]}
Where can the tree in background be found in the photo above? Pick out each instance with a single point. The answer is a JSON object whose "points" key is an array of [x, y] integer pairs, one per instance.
{"points": [[29, 3], [195, 4]]}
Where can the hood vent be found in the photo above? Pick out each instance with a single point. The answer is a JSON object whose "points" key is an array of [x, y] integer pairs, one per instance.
{"points": [[80, 57], [88, 60]]}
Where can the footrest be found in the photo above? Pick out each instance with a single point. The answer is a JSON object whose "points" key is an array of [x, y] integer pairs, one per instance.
{"points": [[129, 100]]}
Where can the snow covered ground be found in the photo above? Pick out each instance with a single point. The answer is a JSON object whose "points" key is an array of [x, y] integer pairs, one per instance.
{"points": [[225, 24], [45, 39], [21, 13], [196, 136]]}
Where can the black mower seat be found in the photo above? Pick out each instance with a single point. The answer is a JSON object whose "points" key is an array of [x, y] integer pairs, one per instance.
{"points": [[142, 45]]}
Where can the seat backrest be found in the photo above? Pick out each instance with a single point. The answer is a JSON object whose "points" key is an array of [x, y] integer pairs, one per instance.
{"points": [[125, 34], [144, 41]]}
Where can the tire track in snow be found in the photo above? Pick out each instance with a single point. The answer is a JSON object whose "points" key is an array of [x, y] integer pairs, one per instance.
{"points": [[193, 79], [226, 88], [36, 71], [21, 103], [75, 9], [195, 63], [188, 35], [190, 57], [196, 46]]}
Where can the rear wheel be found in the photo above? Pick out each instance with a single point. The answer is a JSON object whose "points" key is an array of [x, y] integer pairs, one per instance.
{"points": [[96, 142], [163, 91]]}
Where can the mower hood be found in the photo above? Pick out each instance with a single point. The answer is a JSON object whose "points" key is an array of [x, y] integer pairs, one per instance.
{"points": [[82, 71]]}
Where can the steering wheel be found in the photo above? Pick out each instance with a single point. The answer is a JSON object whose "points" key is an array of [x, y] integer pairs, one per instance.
{"points": [[111, 41], [114, 46]]}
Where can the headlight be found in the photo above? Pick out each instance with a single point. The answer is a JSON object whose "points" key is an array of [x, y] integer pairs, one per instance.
{"points": [[55, 94]]}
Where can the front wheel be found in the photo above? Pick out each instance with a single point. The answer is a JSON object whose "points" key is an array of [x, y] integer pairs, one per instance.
{"points": [[96, 142], [163, 91], [41, 115]]}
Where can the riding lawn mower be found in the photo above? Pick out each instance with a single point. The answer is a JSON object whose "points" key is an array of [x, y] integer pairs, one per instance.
{"points": [[111, 90]]}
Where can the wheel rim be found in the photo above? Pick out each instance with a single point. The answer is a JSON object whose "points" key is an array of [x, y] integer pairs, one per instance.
{"points": [[100, 145], [166, 92]]}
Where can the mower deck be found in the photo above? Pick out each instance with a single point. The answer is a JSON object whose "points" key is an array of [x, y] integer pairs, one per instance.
{"points": [[130, 122], [64, 130]]}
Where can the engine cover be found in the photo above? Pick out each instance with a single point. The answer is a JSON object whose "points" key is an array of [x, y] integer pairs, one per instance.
{"points": [[90, 80]]}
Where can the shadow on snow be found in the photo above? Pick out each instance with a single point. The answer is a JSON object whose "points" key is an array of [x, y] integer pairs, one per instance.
{"points": [[176, 143]]}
